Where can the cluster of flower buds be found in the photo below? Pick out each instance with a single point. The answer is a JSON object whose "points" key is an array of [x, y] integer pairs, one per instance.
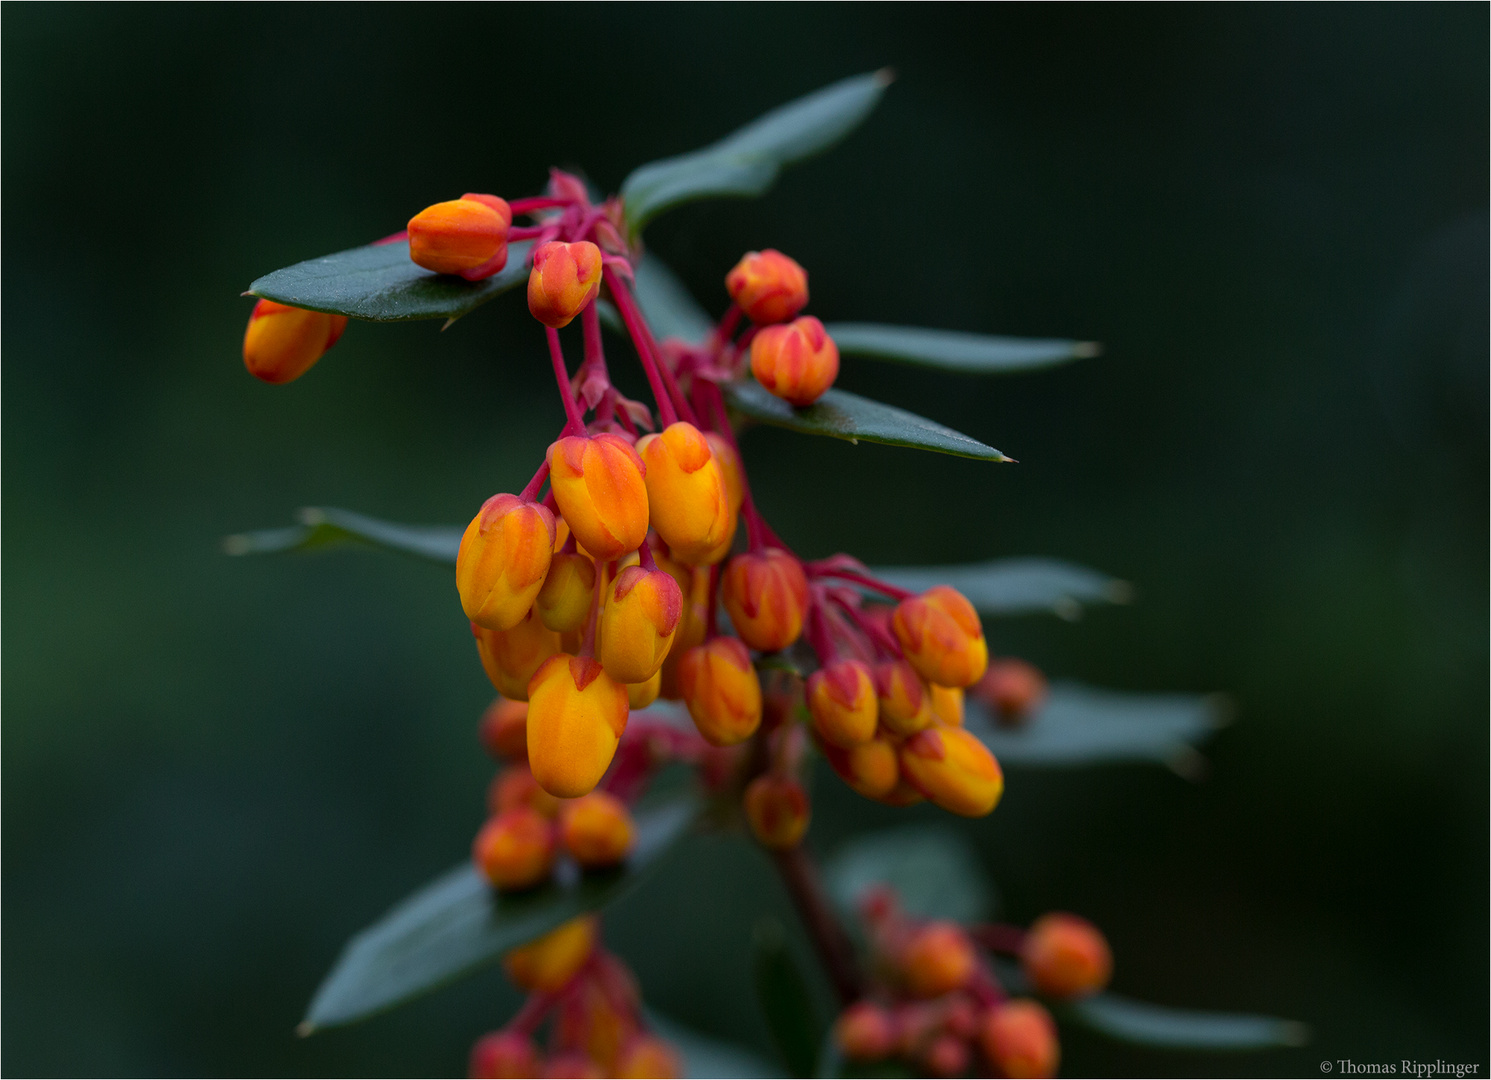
{"points": [[937, 1005], [589, 1000]]}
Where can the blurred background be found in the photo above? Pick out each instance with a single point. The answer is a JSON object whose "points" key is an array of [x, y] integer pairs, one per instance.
{"points": [[1275, 218]]}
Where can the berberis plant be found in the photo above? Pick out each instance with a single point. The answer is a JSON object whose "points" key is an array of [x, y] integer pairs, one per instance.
{"points": [[627, 587]]}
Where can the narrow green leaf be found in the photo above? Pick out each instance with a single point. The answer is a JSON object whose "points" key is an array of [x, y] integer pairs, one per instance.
{"points": [[1017, 586], [1183, 1029], [322, 527], [381, 283], [843, 415], [746, 162], [458, 923], [705, 1057], [931, 868], [954, 350], [796, 1029]]}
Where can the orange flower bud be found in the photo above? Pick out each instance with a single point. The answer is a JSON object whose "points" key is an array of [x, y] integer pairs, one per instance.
{"points": [[503, 1055], [504, 730], [596, 1022], [731, 468], [565, 277], [768, 286], [841, 698], [937, 960], [466, 236], [639, 695], [510, 657], [502, 561], [1019, 1039], [546, 963], [686, 492], [905, 702], [576, 714], [778, 810], [281, 342], [723, 693], [950, 767], [596, 829], [865, 1032], [515, 786], [942, 637], [564, 602], [947, 1056], [766, 594], [871, 768], [691, 628], [796, 362], [648, 1058], [515, 849], [947, 705], [600, 487], [1065, 956], [642, 612], [1012, 688]]}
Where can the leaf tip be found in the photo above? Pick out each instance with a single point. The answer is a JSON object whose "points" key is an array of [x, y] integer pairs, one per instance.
{"points": [[305, 1028], [885, 76], [248, 292], [1086, 350], [237, 544]]}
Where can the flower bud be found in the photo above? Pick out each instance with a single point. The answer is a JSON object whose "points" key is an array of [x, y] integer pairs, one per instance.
{"points": [[942, 637], [778, 810], [947, 705], [871, 768], [515, 786], [1019, 1039], [902, 795], [905, 701], [796, 362], [596, 829], [865, 1032], [950, 767], [502, 561], [565, 277], [546, 963], [515, 849], [642, 612], [639, 695], [722, 691], [946, 1056], [1065, 956], [503, 1055], [510, 657], [686, 492], [466, 236], [282, 342], [576, 714], [841, 698], [504, 730], [768, 286], [766, 594], [563, 604], [647, 1057], [600, 487], [731, 468], [937, 960], [1012, 688], [597, 1019]]}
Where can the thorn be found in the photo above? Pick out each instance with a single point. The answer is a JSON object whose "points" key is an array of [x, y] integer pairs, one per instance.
{"points": [[304, 1028], [1005, 459], [885, 76], [1086, 350], [246, 292], [449, 323]]}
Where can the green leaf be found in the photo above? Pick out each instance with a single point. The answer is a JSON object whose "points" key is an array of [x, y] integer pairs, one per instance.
{"points": [[796, 1029], [978, 354], [746, 162], [1017, 586], [1183, 1029], [322, 527], [458, 923], [705, 1056], [666, 302], [381, 283], [843, 415], [931, 868]]}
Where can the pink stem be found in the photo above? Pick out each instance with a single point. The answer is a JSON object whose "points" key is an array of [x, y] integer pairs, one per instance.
{"points": [[870, 629], [634, 326], [536, 483], [846, 633], [728, 324], [531, 1015], [535, 202], [576, 425], [884, 588], [391, 238], [999, 937], [818, 636], [525, 232], [644, 555], [587, 647]]}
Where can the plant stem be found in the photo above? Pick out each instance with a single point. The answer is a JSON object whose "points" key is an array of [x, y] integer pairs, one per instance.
{"points": [[537, 202], [537, 482], [634, 326], [576, 425], [800, 876], [882, 587]]}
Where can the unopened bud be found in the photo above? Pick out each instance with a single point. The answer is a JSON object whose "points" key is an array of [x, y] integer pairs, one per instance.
{"points": [[768, 286], [723, 693], [686, 494], [1013, 688], [647, 1057], [639, 695], [510, 657], [576, 714], [1065, 956], [515, 786], [600, 487], [952, 768], [282, 342], [545, 964], [596, 829], [777, 808], [1019, 1039], [515, 849], [942, 637], [641, 615], [937, 960], [466, 236], [565, 277], [503, 559], [947, 705], [766, 594], [870, 768], [905, 701], [504, 730], [731, 468], [865, 1032], [841, 698], [503, 1055], [564, 601], [796, 362]]}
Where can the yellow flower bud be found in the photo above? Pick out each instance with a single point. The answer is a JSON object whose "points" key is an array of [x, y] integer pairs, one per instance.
{"points": [[723, 693], [686, 493], [953, 769], [596, 829], [545, 964], [282, 342], [576, 714], [841, 699], [778, 810], [942, 637], [905, 701], [601, 490], [565, 277], [510, 657], [641, 614], [502, 561], [766, 594], [564, 601]]}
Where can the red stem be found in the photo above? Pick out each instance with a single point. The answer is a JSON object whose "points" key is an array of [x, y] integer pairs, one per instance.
{"points": [[536, 483], [525, 232], [602, 573], [999, 937], [728, 324], [634, 326], [884, 588], [871, 629], [576, 424], [816, 631], [535, 202], [827, 933]]}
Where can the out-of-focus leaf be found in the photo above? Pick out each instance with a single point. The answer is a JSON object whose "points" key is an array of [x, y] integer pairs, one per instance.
{"points": [[746, 162], [322, 527], [975, 354], [843, 415], [458, 923], [931, 868], [1017, 586], [705, 1057], [670, 308], [1184, 1029], [1081, 726], [795, 1026], [380, 282]]}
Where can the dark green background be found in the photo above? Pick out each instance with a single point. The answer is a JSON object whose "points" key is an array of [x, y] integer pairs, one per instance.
{"points": [[215, 770]]}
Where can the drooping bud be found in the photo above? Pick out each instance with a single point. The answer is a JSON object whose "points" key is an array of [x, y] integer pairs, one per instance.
{"points": [[515, 786], [640, 617], [647, 1057], [686, 494], [576, 714], [841, 698], [564, 602], [953, 769], [723, 693], [597, 1017], [1019, 1039], [546, 963], [768, 286], [938, 959], [596, 829], [503, 559], [777, 808], [1013, 688], [466, 236], [1065, 956], [282, 342], [871, 768], [865, 1032], [515, 849], [510, 657], [942, 637], [796, 362], [601, 490], [905, 702], [565, 277], [504, 730], [947, 705], [731, 468], [503, 1055], [639, 695], [766, 594]]}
